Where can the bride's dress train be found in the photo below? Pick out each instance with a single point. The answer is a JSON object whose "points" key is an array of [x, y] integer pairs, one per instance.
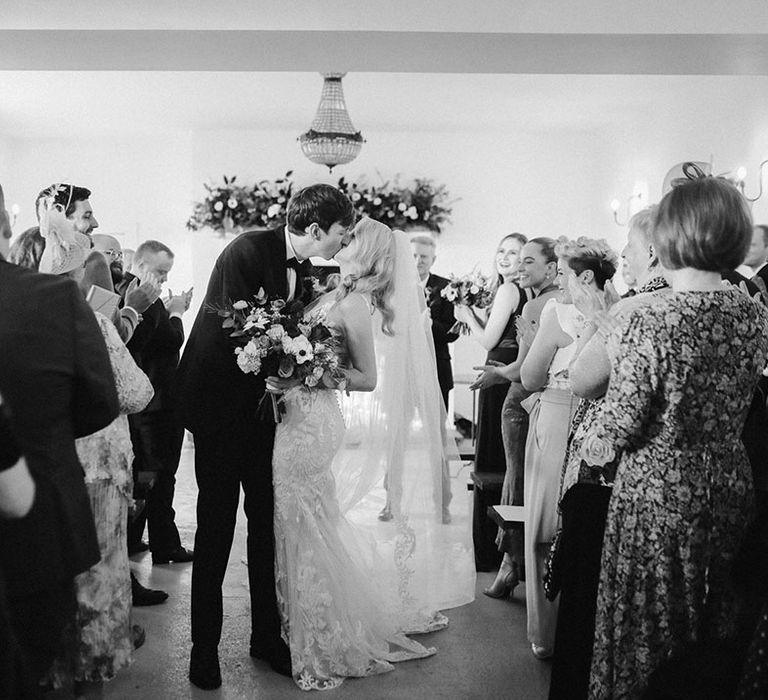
{"points": [[338, 619]]}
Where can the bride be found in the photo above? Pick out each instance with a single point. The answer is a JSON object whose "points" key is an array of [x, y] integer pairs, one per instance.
{"points": [[347, 599]]}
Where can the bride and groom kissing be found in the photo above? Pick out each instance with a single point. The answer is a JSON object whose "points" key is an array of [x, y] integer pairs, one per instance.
{"points": [[319, 612]]}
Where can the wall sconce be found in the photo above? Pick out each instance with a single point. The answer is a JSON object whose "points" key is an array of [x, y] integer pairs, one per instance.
{"points": [[741, 176], [616, 205]]}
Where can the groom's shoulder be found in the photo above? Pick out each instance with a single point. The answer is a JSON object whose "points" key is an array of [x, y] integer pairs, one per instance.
{"points": [[255, 239]]}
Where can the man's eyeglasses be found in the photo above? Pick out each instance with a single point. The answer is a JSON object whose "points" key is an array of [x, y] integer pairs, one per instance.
{"points": [[114, 254]]}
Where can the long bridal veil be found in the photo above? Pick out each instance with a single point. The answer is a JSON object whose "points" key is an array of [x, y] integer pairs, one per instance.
{"points": [[396, 450]]}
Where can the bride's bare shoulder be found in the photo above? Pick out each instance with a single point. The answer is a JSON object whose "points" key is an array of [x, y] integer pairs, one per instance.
{"points": [[355, 303]]}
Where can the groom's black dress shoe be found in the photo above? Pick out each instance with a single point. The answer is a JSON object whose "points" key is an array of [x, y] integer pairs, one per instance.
{"points": [[204, 670], [277, 656]]}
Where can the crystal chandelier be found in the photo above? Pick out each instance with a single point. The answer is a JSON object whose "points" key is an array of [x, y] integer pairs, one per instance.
{"points": [[331, 139]]}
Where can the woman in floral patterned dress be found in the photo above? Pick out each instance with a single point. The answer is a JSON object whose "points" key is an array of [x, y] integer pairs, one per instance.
{"points": [[683, 373], [101, 640]]}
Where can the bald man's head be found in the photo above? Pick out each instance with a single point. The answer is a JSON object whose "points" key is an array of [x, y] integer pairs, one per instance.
{"points": [[110, 247]]}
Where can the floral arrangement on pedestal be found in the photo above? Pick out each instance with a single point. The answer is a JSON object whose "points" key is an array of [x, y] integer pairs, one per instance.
{"points": [[231, 207]]}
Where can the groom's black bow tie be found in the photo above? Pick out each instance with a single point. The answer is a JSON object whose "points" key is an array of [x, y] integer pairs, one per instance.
{"points": [[296, 265]]}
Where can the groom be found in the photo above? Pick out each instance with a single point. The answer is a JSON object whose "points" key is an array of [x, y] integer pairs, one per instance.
{"points": [[233, 445]]}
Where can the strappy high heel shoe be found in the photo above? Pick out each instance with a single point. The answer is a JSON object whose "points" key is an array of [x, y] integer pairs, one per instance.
{"points": [[504, 584]]}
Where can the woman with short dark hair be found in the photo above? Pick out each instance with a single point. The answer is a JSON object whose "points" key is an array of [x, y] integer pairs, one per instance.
{"points": [[683, 373]]}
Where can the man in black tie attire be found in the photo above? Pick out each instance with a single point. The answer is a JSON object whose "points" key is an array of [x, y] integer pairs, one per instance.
{"points": [[233, 444], [157, 432], [441, 313]]}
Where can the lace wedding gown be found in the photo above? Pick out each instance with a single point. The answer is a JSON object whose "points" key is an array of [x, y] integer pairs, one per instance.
{"points": [[338, 619]]}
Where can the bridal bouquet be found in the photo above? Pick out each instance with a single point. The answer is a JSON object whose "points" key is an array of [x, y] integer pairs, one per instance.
{"points": [[275, 339], [471, 290]]}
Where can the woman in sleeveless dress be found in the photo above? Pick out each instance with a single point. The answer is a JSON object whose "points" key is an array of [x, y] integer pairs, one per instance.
{"points": [[545, 370], [342, 614], [497, 333]]}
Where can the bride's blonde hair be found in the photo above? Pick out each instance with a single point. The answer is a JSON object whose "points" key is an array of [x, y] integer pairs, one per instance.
{"points": [[372, 269]]}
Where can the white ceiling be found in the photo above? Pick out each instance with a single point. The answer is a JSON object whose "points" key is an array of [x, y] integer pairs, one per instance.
{"points": [[58, 104], [68, 68]]}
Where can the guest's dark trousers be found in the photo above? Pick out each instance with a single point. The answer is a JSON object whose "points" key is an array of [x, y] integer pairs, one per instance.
{"points": [[584, 510], [237, 453], [157, 437]]}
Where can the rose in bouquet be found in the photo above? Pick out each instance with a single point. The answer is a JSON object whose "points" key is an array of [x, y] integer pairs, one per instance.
{"points": [[470, 290], [274, 338]]}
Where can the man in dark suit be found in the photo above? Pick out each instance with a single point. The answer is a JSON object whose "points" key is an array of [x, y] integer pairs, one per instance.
{"points": [[233, 445], [440, 309], [441, 313], [157, 432], [56, 378]]}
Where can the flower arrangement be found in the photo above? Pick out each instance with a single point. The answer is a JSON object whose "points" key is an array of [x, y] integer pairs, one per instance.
{"points": [[274, 338], [231, 207], [423, 203], [474, 289]]}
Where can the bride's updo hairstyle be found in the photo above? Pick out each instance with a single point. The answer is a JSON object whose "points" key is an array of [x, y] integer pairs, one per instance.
{"points": [[371, 269], [703, 223], [589, 254]]}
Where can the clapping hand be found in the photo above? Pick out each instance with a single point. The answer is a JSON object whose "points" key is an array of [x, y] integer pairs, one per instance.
{"points": [[589, 300], [141, 295], [526, 331], [178, 303], [491, 374]]}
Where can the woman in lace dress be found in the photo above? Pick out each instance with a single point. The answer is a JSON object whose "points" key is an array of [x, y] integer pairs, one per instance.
{"points": [[683, 373], [545, 370], [101, 642], [339, 617]]}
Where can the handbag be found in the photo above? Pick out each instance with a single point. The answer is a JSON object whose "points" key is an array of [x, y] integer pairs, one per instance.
{"points": [[552, 579]]}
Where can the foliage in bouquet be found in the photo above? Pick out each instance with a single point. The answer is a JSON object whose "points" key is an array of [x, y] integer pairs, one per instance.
{"points": [[421, 203], [231, 206], [274, 338], [474, 289]]}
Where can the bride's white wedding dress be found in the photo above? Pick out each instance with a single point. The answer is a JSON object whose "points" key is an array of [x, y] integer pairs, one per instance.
{"points": [[350, 587], [337, 621]]}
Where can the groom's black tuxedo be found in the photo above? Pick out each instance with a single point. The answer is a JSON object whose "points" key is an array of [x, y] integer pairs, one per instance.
{"points": [[233, 444]]}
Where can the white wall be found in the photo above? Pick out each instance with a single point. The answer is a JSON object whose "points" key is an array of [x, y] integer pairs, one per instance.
{"points": [[547, 183]]}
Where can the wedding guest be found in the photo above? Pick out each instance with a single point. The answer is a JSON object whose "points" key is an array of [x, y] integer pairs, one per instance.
{"points": [[497, 333], [56, 376], [442, 318], [103, 638], [586, 489], [440, 309], [545, 369], [682, 377], [755, 262], [27, 249], [537, 272], [629, 279], [157, 431]]}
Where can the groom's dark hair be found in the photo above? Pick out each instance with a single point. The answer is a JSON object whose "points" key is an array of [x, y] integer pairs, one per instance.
{"points": [[321, 204]]}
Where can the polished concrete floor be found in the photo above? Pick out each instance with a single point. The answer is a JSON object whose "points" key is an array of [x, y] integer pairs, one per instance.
{"points": [[483, 654]]}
